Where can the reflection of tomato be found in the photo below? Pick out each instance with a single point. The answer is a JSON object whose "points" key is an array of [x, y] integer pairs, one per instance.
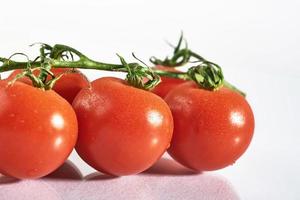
{"points": [[38, 130], [122, 130], [166, 83], [212, 129], [67, 86]]}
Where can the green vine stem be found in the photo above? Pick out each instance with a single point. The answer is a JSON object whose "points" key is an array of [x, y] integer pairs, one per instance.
{"points": [[232, 87], [86, 64], [206, 74]]}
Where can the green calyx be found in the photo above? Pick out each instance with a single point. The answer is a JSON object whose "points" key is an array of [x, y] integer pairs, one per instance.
{"points": [[207, 75], [180, 57], [45, 79], [139, 76]]}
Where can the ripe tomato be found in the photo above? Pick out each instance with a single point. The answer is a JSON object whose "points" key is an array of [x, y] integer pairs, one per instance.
{"points": [[122, 130], [67, 86], [166, 83], [212, 129], [38, 130]]}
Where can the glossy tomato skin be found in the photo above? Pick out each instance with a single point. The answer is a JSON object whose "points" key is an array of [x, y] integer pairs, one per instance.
{"points": [[212, 129], [67, 86], [166, 83], [122, 130], [38, 130]]}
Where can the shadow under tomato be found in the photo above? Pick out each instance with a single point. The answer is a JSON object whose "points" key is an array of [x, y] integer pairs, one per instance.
{"points": [[7, 179], [98, 176], [168, 167], [67, 171]]}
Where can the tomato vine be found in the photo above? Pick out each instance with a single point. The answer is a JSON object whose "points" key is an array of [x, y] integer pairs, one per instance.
{"points": [[206, 74]]}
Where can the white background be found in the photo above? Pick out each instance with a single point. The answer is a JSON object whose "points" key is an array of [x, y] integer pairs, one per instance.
{"points": [[257, 42]]}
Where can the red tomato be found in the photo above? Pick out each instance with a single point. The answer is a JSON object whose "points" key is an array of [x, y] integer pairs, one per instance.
{"points": [[212, 129], [67, 86], [166, 83], [38, 130], [122, 130]]}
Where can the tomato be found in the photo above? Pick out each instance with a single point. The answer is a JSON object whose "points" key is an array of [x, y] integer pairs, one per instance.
{"points": [[166, 83], [38, 130], [67, 86], [122, 130], [212, 129]]}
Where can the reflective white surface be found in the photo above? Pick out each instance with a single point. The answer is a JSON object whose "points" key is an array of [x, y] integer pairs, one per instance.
{"points": [[255, 41]]}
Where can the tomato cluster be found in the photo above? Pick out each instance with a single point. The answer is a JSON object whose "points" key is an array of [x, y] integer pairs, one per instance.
{"points": [[116, 128], [121, 129]]}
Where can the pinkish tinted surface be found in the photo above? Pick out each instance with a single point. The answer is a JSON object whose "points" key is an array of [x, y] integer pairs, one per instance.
{"points": [[165, 180]]}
